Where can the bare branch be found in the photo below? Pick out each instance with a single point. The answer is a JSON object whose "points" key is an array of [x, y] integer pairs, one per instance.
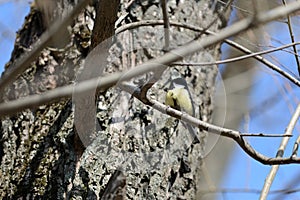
{"points": [[273, 172], [272, 66], [285, 74], [154, 64], [263, 135], [106, 16], [166, 24], [255, 8], [159, 71], [167, 59], [56, 95], [220, 16], [233, 134], [293, 39], [238, 58], [246, 190]]}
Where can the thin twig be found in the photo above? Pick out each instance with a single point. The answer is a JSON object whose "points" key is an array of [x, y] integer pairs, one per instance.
{"points": [[166, 24], [263, 135], [210, 128], [272, 66], [158, 73], [166, 60], [66, 91], [273, 172], [291, 184], [293, 39], [55, 95], [233, 134], [255, 8], [238, 58], [220, 16], [247, 190], [136, 92]]}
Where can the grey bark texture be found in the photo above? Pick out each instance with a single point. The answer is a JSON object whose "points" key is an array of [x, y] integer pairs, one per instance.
{"points": [[115, 147]]}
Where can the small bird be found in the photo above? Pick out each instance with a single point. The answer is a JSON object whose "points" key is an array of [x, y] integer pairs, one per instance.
{"points": [[179, 98]]}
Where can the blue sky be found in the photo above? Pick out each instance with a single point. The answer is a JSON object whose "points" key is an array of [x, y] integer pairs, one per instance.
{"points": [[243, 172], [11, 19]]}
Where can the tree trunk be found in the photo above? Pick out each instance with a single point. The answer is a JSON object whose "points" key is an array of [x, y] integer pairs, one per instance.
{"points": [[115, 146]]}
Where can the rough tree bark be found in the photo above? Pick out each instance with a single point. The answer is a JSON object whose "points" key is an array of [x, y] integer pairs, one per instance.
{"points": [[128, 150]]}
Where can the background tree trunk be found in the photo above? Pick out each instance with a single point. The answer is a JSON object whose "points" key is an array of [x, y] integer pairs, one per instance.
{"points": [[238, 82], [131, 150], [238, 97]]}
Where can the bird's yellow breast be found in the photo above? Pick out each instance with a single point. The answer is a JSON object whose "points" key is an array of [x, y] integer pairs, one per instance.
{"points": [[179, 98]]}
